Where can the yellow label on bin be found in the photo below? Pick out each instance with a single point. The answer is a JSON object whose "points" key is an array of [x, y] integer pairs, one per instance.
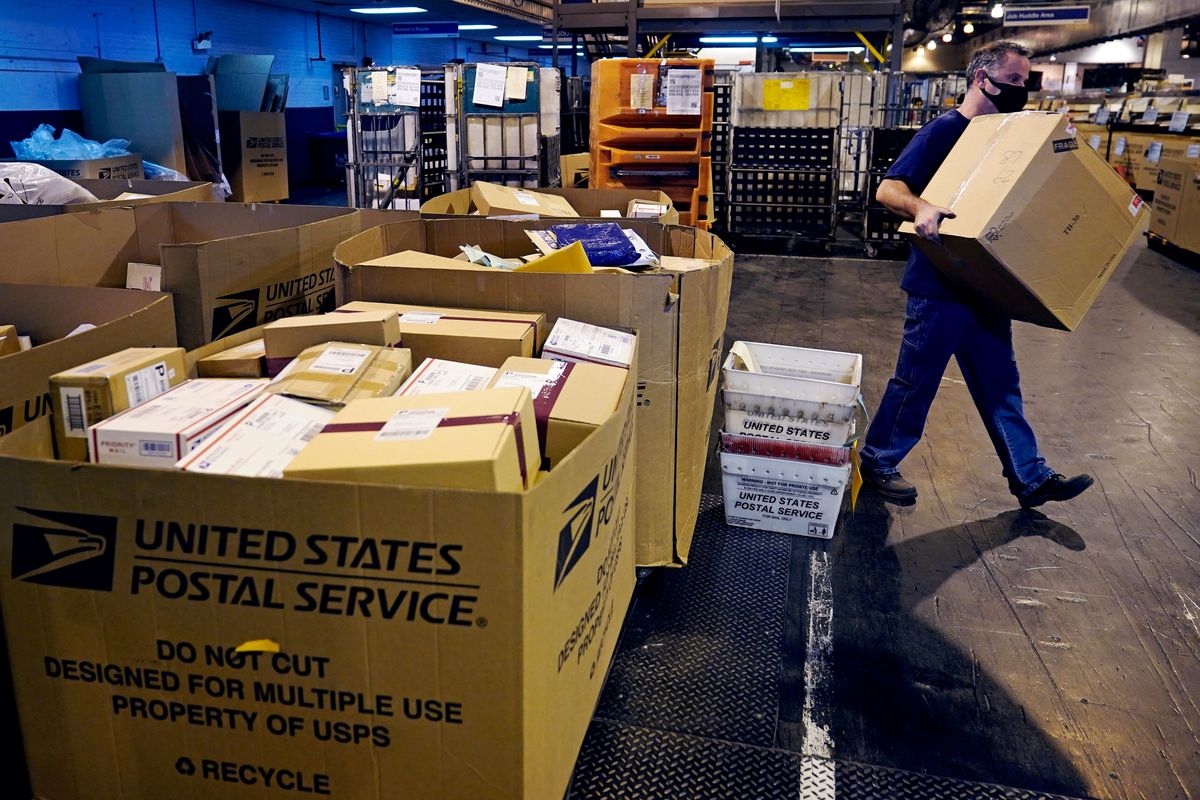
{"points": [[786, 94]]}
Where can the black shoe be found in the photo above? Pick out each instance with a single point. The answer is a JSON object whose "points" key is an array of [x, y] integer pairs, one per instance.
{"points": [[892, 488], [1056, 489]]}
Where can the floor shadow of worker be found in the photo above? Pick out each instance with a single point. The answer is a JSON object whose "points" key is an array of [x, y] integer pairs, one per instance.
{"points": [[905, 696], [1172, 292]]}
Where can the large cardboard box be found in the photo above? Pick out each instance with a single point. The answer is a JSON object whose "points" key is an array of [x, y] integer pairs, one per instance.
{"points": [[467, 634], [230, 266], [142, 107], [254, 154], [123, 318], [678, 312], [1041, 220], [123, 167], [85, 394], [1176, 215], [587, 203]]}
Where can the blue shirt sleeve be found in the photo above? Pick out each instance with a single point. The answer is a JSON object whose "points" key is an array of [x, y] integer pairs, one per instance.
{"points": [[926, 152]]}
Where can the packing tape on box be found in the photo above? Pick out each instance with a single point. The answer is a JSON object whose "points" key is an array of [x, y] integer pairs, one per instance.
{"points": [[984, 156], [258, 646]]}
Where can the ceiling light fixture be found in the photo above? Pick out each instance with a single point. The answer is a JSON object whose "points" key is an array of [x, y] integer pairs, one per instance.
{"points": [[932, 45], [389, 10], [998, 11], [531, 38], [769, 39], [477, 27], [728, 40], [947, 37], [969, 28]]}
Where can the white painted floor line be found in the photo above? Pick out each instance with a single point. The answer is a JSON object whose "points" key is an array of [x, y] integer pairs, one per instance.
{"points": [[817, 782]]}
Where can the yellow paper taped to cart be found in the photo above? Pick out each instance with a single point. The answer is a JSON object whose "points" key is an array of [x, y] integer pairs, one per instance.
{"points": [[571, 260], [786, 94]]}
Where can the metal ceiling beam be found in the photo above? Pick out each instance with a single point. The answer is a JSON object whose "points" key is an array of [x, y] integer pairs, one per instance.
{"points": [[829, 16]]}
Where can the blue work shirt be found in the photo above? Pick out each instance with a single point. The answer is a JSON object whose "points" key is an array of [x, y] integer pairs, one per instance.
{"points": [[916, 167]]}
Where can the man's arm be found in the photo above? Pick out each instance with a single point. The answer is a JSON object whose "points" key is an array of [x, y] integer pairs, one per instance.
{"points": [[899, 199]]}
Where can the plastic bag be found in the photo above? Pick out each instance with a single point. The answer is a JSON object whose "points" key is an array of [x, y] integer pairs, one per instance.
{"points": [[35, 185], [42, 146], [605, 243], [157, 172]]}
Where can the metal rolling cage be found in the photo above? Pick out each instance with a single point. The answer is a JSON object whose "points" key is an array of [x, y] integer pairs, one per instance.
{"points": [[783, 156], [518, 144], [385, 166], [902, 107], [576, 125], [721, 128]]}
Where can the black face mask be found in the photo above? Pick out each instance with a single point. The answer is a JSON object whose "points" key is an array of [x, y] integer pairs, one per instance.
{"points": [[1010, 99]]}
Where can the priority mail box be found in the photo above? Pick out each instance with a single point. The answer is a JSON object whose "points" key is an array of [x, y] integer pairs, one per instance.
{"points": [[337, 373], [484, 440], [247, 360], [1176, 215], [678, 312], [254, 155], [10, 341], [229, 266], [470, 335], [571, 340], [569, 400], [1041, 220], [288, 338], [438, 376], [458, 627], [123, 318], [87, 393], [587, 203], [260, 440], [163, 430]]}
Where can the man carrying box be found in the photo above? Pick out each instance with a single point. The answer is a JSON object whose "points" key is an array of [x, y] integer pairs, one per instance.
{"points": [[941, 321]]}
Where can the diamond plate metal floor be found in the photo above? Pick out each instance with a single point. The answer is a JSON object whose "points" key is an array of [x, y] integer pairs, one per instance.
{"points": [[700, 651], [691, 705]]}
